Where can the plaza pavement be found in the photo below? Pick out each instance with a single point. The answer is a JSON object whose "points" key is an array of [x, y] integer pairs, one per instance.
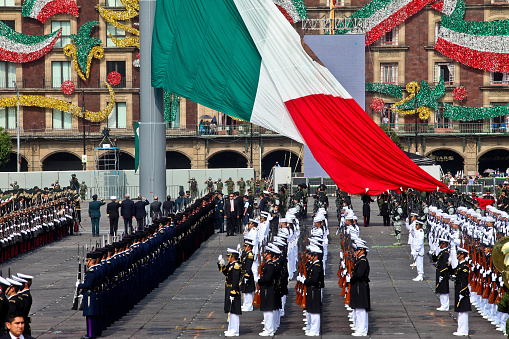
{"points": [[190, 303]]}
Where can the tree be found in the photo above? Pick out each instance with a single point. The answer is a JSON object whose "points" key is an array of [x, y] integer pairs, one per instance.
{"points": [[5, 147], [393, 135]]}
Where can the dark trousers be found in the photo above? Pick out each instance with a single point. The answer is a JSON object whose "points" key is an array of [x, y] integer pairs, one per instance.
{"points": [[231, 225], [128, 225], [94, 326], [113, 225], [387, 220], [141, 223], [95, 226], [366, 220], [220, 222]]}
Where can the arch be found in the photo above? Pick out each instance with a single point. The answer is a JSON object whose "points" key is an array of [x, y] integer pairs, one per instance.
{"points": [[448, 159], [11, 165], [125, 160], [62, 161], [284, 157], [177, 160], [227, 159], [496, 159]]}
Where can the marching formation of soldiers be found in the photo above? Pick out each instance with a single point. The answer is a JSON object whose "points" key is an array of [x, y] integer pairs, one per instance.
{"points": [[121, 274], [32, 218]]}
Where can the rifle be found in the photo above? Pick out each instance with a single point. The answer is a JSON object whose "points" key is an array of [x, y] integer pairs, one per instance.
{"points": [[76, 298], [348, 293], [299, 285], [494, 287], [304, 288], [257, 297]]}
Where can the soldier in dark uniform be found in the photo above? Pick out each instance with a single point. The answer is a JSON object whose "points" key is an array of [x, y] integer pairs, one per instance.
{"points": [[247, 283], [314, 283], [26, 280], [15, 299], [461, 293], [442, 274], [366, 210], [232, 297], [267, 293], [4, 302], [91, 305], [359, 291]]}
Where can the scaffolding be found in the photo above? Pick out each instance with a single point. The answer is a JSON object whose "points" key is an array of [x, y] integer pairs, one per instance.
{"points": [[106, 168]]}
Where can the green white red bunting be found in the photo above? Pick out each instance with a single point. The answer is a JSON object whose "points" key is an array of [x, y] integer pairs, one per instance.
{"points": [[20, 48], [293, 10], [43, 9]]}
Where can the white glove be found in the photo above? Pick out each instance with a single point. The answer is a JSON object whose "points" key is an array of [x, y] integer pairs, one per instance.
{"points": [[348, 278], [232, 299], [238, 247], [493, 277], [341, 255], [221, 262], [413, 253], [342, 264], [302, 279], [220, 258]]}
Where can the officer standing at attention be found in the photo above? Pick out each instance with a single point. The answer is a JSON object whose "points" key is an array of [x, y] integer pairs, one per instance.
{"points": [[94, 212], [232, 297], [91, 307], [359, 287], [219, 185], [230, 185], [242, 186], [314, 283], [210, 185], [193, 187], [442, 274], [247, 283], [461, 293], [83, 190], [267, 292], [219, 212], [15, 185]]}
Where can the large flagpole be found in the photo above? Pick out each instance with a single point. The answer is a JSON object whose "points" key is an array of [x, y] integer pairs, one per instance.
{"points": [[152, 133]]}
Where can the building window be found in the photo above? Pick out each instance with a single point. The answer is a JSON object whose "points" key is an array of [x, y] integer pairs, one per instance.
{"points": [[10, 23], [117, 66], [437, 29], [389, 73], [499, 78], [6, 3], [118, 116], [7, 74], [440, 120], [388, 116], [62, 120], [390, 38], [499, 1], [499, 124], [116, 32], [114, 3], [66, 31], [60, 72], [444, 70], [8, 117], [339, 3]]}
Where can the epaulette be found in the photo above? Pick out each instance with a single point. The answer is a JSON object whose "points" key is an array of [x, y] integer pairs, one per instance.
{"points": [[12, 301], [363, 259], [91, 270], [250, 255], [236, 266]]}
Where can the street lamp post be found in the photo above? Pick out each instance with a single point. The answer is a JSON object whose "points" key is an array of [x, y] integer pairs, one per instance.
{"points": [[416, 106], [83, 111], [18, 142]]}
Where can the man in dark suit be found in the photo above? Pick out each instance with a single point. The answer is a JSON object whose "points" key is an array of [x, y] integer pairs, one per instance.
{"points": [[168, 206], [112, 212], [155, 208], [140, 213], [94, 212], [127, 212], [15, 325], [239, 201], [232, 214], [263, 202]]}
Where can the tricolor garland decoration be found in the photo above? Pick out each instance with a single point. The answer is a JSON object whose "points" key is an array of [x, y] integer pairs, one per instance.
{"points": [[43, 9], [426, 98], [383, 88], [45, 102], [478, 44], [473, 113], [171, 105], [21, 48], [84, 49], [381, 16], [113, 17], [293, 10], [450, 7]]}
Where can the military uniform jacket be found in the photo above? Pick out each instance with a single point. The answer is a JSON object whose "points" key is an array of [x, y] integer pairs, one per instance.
{"points": [[461, 288], [4, 307], [359, 284], [442, 273], [232, 282], [248, 284], [91, 284], [266, 282], [314, 283]]}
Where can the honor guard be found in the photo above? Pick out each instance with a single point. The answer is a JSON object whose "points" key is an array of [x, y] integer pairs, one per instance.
{"points": [[232, 297], [462, 293], [359, 290], [314, 283], [247, 284], [267, 290], [442, 274]]}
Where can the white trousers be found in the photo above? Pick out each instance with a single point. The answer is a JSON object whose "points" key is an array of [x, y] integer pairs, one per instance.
{"points": [[314, 327], [234, 323], [283, 303], [444, 300], [361, 320], [276, 318], [420, 267], [463, 322], [248, 301], [268, 318]]}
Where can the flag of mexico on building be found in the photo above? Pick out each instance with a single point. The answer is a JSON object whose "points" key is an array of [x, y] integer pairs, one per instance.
{"points": [[243, 58]]}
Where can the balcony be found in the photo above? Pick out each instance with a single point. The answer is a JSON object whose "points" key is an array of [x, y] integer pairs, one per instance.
{"points": [[453, 128], [95, 132], [48, 83]]}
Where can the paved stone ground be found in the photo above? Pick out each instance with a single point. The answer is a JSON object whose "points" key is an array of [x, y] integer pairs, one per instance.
{"points": [[190, 303]]}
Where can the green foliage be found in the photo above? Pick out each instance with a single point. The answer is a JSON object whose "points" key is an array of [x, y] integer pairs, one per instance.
{"points": [[5, 147], [394, 137]]}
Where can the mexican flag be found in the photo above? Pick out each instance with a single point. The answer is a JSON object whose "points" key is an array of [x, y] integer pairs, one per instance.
{"points": [[243, 58]]}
